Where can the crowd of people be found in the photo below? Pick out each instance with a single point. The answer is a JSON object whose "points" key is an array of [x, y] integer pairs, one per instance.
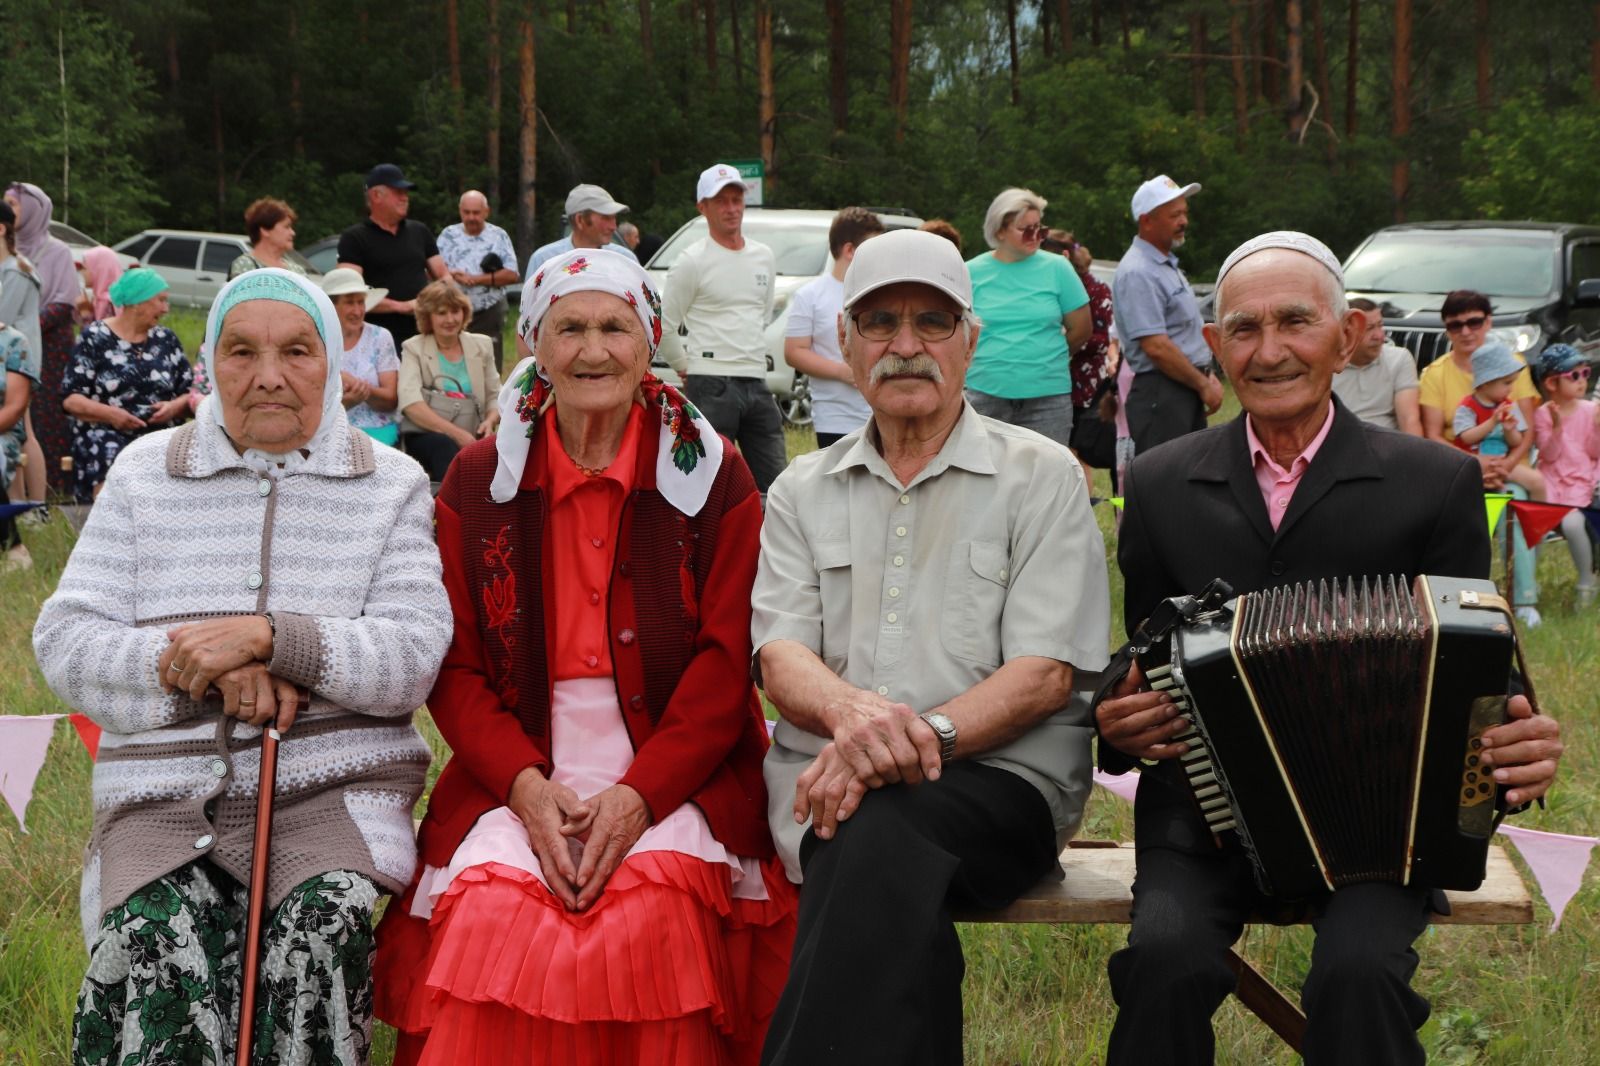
{"points": [[622, 861]]}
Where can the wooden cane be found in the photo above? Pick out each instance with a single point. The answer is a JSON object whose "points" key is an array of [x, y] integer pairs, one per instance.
{"points": [[258, 891]]}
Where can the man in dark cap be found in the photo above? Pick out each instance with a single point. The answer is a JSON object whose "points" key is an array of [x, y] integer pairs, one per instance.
{"points": [[391, 251]]}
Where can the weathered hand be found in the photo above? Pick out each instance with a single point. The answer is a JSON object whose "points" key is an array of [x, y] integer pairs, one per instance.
{"points": [[828, 792], [1524, 752], [488, 425], [253, 695], [617, 818], [201, 652], [126, 421], [544, 807], [1139, 722], [883, 741], [167, 410], [1211, 395], [356, 390]]}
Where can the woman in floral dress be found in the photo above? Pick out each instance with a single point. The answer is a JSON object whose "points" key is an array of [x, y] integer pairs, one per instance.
{"points": [[127, 376]]}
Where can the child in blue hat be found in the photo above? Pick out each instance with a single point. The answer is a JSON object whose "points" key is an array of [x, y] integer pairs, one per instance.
{"points": [[1488, 421], [1567, 430]]}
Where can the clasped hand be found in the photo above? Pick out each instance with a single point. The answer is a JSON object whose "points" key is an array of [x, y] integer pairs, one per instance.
{"points": [[579, 842], [226, 656], [876, 742]]}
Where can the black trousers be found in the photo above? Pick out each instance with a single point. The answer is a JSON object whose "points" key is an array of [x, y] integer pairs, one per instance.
{"points": [[877, 967], [433, 450], [1160, 409], [742, 410], [1190, 905], [491, 322]]}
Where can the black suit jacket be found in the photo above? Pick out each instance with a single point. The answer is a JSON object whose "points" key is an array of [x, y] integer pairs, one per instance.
{"points": [[1373, 501]]}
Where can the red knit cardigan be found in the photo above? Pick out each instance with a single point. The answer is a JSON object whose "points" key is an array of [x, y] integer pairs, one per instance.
{"points": [[678, 620]]}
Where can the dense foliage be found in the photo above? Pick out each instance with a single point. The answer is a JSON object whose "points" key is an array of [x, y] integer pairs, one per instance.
{"points": [[179, 112]]}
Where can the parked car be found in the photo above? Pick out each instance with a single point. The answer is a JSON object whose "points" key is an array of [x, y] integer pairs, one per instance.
{"points": [[799, 242], [81, 242], [1543, 279], [194, 263]]}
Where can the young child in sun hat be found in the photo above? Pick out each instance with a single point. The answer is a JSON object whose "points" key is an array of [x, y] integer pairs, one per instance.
{"points": [[1488, 421], [1567, 431]]}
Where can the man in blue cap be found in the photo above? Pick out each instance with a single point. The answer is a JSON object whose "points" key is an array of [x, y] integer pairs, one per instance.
{"points": [[391, 251]]}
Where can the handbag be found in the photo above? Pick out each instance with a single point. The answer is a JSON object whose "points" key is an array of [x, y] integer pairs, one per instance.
{"points": [[1094, 439], [461, 411]]}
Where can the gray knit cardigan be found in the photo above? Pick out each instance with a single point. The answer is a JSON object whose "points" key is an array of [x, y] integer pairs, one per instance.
{"points": [[341, 555]]}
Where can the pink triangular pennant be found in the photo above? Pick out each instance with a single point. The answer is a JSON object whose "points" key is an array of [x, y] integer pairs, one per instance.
{"points": [[88, 732], [1123, 785], [24, 742], [1557, 861]]}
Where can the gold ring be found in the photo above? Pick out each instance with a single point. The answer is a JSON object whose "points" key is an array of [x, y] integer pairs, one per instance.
{"points": [[247, 703], [175, 668]]}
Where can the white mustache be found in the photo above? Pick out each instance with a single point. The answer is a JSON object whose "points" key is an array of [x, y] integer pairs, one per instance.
{"points": [[895, 366]]}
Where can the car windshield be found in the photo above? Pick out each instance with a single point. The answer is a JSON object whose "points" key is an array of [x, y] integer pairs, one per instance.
{"points": [[801, 249], [1495, 262]]}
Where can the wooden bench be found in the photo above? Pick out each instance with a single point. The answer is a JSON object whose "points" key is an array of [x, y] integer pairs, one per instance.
{"points": [[1096, 888]]}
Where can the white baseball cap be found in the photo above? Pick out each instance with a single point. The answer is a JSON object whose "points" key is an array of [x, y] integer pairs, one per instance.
{"points": [[1157, 191], [714, 179], [908, 255], [592, 198]]}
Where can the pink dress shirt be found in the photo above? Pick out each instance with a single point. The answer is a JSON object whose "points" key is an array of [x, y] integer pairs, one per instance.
{"points": [[1278, 484]]}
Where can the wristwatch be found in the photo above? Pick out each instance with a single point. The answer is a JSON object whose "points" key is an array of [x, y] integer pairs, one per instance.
{"points": [[946, 729]]}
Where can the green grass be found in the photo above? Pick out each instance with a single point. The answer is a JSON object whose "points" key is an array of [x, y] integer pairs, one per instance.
{"points": [[1034, 994]]}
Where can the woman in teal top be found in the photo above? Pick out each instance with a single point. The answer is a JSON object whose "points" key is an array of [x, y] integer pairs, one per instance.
{"points": [[1034, 312]]}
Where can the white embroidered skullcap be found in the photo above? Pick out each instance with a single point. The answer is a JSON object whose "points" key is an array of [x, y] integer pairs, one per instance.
{"points": [[1294, 241]]}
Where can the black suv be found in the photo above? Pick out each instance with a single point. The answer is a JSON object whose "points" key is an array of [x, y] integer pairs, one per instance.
{"points": [[1543, 279]]}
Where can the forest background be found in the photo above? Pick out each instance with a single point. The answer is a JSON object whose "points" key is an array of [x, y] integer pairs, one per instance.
{"points": [[1332, 116]]}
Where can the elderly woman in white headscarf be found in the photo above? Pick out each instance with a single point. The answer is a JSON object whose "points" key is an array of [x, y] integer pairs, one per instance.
{"points": [[599, 882], [262, 557]]}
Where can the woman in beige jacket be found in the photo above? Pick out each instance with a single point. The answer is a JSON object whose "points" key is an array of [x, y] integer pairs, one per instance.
{"points": [[448, 381]]}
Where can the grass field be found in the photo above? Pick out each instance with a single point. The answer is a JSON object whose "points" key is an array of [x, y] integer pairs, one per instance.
{"points": [[1034, 994]]}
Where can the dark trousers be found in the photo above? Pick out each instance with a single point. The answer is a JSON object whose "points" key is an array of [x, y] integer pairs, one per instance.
{"points": [[491, 322], [1189, 907], [876, 972], [742, 410], [1160, 409], [433, 450]]}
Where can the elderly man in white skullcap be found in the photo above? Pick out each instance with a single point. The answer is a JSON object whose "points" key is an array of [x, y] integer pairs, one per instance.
{"points": [[1296, 489]]}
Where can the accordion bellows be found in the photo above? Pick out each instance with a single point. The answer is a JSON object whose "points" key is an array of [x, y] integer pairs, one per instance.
{"points": [[1336, 727]]}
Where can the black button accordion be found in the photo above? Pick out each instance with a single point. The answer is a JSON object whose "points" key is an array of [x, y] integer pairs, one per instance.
{"points": [[1336, 727]]}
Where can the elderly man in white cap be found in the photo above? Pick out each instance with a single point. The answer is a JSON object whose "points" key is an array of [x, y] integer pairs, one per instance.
{"points": [[1296, 489], [592, 216], [1158, 322], [718, 301], [930, 586]]}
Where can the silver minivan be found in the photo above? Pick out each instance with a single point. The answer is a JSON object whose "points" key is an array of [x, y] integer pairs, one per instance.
{"points": [[194, 263]]}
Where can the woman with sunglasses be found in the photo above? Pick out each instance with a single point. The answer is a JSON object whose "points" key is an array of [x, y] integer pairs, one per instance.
{"points": [[1567, 431], [1035, 313], [1468, 319]]}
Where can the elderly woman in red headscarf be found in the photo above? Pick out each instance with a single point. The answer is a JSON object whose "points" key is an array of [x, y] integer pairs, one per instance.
{"points": [[599, 882]]}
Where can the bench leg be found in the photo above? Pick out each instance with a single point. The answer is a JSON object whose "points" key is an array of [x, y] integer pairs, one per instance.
{"points": [[1267, 1003]]}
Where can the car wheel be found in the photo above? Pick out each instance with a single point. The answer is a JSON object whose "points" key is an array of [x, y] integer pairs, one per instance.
{"points": [[796, 406]]}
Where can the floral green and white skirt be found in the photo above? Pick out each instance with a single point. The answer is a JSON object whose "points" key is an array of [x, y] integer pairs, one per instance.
{"points": [[163, 979]]}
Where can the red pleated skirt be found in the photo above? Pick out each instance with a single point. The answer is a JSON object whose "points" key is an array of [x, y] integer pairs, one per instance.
{"points": [[667, 968]]}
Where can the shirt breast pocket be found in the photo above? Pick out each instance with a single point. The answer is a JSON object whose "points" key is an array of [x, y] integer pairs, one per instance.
{"points": [[976, 580], [833, 585]]}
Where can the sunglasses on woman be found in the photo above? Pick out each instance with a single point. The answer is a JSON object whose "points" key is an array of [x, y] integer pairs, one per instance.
{"points": [[1459, 324], [1035, 232]]}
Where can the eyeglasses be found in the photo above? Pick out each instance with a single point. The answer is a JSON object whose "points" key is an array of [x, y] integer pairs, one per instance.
{"points": [[1577, 374], [885, 325], [1459, 324], [1036, 232]]}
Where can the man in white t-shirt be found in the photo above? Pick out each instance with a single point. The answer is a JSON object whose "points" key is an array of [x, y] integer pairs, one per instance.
{"points": [[811, 336], [718, 302], [1380, 383]]}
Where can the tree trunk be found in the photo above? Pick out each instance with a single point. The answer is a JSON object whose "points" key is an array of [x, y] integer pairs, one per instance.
{"points": [[218, 146], [1594, 51], [1197, 65], [527, 136], [1064, 19], [1127, 38], [738, 45], [769, 117], [1268, 51], [899, 64], [1294, 41], [1094, 22], [1481, 31], [1044, 30], [838, 80], [1319, 55], [361, 25], [647, 37], [710, 12], [1011, 37], [296, 101], [452, 46], [572, 16], [172, 59], [1352, 54], [1402, 105], [491, 188], [1241, 88]]}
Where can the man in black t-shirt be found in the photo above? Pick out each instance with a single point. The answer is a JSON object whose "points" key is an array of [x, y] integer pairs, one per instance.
{"points": [[392, 252]]}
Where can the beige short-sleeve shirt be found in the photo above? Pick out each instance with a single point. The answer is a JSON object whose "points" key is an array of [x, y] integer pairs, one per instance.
{"points": [[920, 592]]}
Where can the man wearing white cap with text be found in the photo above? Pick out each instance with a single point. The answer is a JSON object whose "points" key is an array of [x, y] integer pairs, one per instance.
{"points": [[592, 214], [718, 302], [1158, 322], [930, 586]]}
